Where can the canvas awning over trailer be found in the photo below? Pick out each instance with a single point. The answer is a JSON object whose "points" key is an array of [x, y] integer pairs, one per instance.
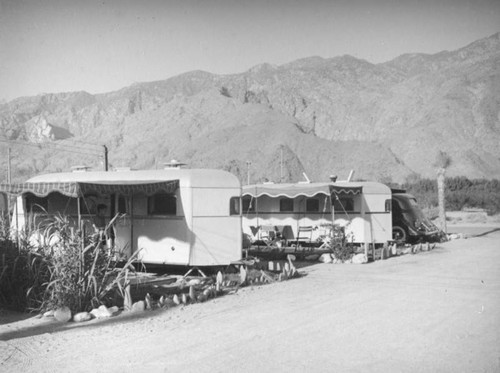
{"points": [[80, 189], [296, 190]]}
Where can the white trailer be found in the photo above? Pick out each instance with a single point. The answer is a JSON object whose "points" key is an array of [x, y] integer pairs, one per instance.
{"points": [[188, 217], [362, 208]]}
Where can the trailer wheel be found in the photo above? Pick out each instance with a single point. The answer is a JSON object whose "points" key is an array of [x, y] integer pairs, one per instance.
{"points": [[399, 234]]}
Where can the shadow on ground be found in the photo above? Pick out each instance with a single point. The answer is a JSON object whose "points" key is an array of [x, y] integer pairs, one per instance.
{"points": [[486, 233]]}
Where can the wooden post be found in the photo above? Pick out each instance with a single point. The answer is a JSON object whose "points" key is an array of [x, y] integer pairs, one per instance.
{"points": [[9, 178]]}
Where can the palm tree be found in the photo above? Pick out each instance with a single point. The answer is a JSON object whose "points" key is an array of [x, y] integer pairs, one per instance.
{"points": [[442, 162]]}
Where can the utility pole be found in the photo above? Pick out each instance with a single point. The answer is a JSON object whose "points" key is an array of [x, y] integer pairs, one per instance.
{"points": [[105, 158], [248, 172], [9, 178], [281, 164]]}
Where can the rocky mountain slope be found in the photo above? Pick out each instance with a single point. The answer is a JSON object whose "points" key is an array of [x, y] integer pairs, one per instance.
{"points": [[315, 115]]}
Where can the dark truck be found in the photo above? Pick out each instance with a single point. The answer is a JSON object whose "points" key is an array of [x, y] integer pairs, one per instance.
{"points": [[409, 224]]}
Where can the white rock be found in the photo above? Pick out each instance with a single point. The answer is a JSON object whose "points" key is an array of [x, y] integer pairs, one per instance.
{"points": [[82, 316], [176, 299], [359, 259], [325, 258], [49, 313], [101, 312], [243, 275], [62, 314], [202, 297], [138, 306], [168, 302], [394, 250]]}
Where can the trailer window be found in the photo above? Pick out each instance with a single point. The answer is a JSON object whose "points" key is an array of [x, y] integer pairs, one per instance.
{"points": [[286, 204], [234, 206], [37, 204], [248, 204], [341, 204], [312, 205], [122, 205], [88, 204], [162, 204]]}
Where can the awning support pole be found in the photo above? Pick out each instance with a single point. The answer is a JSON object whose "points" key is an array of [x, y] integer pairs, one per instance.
{"points": [[132, 224], [79, 212]]}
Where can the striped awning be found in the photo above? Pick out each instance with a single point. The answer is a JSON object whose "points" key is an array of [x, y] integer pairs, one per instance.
{"points": [[337, 189], [80, 189], [296, 190]]}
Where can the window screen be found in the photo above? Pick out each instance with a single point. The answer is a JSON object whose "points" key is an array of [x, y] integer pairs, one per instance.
{"points": [[343, 204], [248, 204], [234, 206], [312, 205], [162, 204], [37, 204], [286, 204], [122, 205]]}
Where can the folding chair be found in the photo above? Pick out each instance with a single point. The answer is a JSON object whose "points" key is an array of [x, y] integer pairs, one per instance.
{"points": [[325, 235], [304, 235]]}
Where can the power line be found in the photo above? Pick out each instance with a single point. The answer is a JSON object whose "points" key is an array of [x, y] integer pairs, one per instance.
{"points": [[66, 146], [84, 142], [43, 147], [44, 144], [47, 145]]}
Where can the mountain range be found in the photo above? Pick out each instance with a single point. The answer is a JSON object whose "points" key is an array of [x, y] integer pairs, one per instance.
{"points": [[318, 116]]}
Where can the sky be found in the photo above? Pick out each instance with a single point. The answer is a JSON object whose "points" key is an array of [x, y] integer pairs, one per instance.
{"points": [[50, 46]]}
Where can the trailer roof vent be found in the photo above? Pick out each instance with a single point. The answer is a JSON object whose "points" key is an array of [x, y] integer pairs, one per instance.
{"points": [[173, 164], [80, 168]]}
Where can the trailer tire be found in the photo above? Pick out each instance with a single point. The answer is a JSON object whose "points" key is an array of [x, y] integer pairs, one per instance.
{"points": [[399, 234]]}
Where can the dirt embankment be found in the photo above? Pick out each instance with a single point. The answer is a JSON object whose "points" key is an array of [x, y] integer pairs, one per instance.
{"points": [[433, 311]]}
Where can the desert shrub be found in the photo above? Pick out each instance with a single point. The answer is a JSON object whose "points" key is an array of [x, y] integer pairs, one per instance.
{"points": [[343, 250], [63, 267], [21, 271], [341, 246]]}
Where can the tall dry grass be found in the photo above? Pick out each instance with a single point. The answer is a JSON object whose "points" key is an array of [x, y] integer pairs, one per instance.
{"points": [[62, 266]]}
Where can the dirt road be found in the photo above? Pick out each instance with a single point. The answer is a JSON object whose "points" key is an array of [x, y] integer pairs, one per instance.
{"points": [[436, 311]]}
